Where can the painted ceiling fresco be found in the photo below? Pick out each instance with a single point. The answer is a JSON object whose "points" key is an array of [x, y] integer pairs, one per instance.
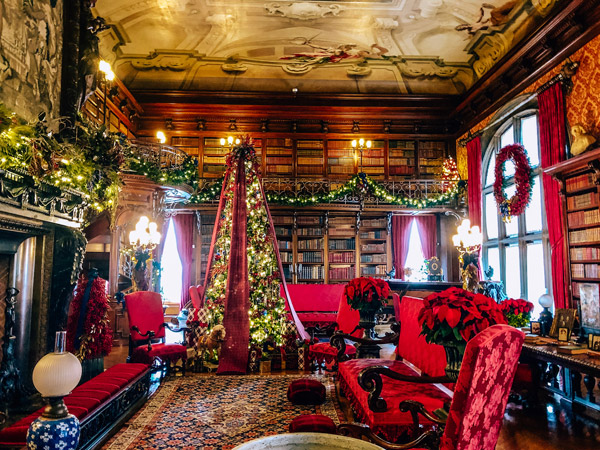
{"points": [[367, 46]]}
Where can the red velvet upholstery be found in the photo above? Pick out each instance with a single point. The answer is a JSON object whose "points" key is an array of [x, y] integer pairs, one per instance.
{"points": [[194, 296], [429, 358], [312, 423], [145, 311], [82, 402], [482, 389], [164, 352], [306, 392], [391, 424], [316, 304]]}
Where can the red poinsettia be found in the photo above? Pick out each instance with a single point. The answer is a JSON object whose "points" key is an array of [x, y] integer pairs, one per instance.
{"points": [[367, 293], [516, 311], [457, 315]]}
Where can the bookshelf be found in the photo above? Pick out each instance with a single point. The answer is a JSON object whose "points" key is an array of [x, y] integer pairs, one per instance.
{"points": [[309, 158], [402, 158], [279, 157], [190, 144], [284, 230], [207, 223], [341, 254], [213, 157], [431, 158], [373, 238], [310, 245], [373, 160], [340, 159]]}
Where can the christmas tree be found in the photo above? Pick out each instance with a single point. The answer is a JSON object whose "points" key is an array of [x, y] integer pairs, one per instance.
{"points": [[244, 276], [449, 174]]}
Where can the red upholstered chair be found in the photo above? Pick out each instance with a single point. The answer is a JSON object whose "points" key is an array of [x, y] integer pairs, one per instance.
{"points": [[480, 396], [147, 338], [193, 290]]}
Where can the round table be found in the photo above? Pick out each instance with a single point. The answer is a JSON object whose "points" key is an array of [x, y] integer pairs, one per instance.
{"points": [[307, 441]]}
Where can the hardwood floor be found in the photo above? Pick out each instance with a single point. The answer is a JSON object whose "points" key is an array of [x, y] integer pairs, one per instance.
{"points": [[550, 426]]}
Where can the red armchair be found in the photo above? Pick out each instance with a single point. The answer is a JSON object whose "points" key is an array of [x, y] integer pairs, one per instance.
{"points": [[147, 337], [196, 294], [475, 415]]}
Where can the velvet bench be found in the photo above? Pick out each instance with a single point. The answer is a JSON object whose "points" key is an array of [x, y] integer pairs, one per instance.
{"points": [[102, 405], [414, 357], [316, 304]]}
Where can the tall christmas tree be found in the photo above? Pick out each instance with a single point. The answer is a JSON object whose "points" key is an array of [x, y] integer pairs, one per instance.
{"points": [[449, 174], [244, 273]]}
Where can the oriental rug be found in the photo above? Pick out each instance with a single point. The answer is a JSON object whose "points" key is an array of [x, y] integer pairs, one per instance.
{"points": [[218, 412]]}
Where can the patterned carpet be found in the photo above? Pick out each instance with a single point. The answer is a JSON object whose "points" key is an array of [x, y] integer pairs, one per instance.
{"points": [[217, 412]]}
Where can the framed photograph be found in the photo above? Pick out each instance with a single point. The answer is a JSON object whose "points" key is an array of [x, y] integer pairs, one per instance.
{"points": [[589, 302], [563, 334], [564, 318], [596, 343], [535, 327]]}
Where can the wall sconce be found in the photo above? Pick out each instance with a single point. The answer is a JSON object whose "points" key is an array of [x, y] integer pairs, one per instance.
{"points": [[230, 140], [468, 242], [160, 136], [360, 145]]}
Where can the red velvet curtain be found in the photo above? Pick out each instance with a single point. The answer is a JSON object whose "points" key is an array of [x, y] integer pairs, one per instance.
{"points": [[400, 235], [474, 186], [427, 226], [552, 146], [184, 235]]}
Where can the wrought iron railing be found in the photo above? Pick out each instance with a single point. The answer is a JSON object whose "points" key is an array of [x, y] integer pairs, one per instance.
{"points": [[164, 156]]}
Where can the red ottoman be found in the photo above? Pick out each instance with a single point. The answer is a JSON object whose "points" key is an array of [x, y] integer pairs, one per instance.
{"points": [[312, 423], [306, 392]]}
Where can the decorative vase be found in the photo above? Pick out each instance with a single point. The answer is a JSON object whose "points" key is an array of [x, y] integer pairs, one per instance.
{"points": [[265, 366], [367, 322], [59, 434], [454, 356]]}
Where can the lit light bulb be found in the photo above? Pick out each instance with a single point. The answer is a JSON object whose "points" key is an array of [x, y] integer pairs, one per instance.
{"points": [[354, 143], [161, 137], [237, 142], [369, 143], [222, 142], [230, 140], [104, 66], [361, 142]]}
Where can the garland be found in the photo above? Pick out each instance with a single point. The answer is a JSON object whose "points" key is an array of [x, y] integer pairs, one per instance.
{"points": [[361, 183], [517, 204]]}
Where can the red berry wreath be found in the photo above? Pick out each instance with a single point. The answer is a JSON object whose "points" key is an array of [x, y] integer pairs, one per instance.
{"points": [[517, 204]]}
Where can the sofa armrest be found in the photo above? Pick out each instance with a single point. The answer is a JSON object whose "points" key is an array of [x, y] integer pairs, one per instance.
{"points": [[370, 380], [174, 329], [150, 334], [338, 340], [429, 439]]}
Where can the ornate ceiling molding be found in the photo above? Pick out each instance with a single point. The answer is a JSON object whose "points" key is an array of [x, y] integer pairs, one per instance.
{"points": [[303, 11]]}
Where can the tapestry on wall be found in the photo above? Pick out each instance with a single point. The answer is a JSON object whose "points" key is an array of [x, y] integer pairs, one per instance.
{"points": [[30, 56]]}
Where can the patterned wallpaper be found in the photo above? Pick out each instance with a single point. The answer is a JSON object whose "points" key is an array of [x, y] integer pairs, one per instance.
{"points": [[583, 104]]}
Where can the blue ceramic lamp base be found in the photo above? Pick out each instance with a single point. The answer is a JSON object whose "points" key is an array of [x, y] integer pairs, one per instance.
{"points": [[53, 434]]}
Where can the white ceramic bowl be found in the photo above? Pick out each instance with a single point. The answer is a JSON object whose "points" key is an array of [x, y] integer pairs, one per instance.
{"points": [[307, 441]]}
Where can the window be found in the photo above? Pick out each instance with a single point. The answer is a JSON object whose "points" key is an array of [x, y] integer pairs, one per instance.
{"points": [[171, 268], [415, 258], [517, 251]]}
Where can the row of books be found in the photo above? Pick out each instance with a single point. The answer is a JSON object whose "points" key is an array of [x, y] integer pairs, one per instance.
{"points": [[432, 145], [431, 161], [340, 153], [311, 272], [373, 258], [278, 151], [306, 160], [374, 223], [206, 229], [585, 270], [309, 220], [402, 170], [206, 239], [381, 234], [402, 144], [340, 161], [402, 162], [284, 245], [313, 170], [283, 231], [341, 169], [341, 257], [430, 169], [341, 273], [579, 182], [278, 159], [372, 161], [184, 141], [287, 257], [215, 151], [375, 170], [306, 143], [372, 248], [279, 169], [341, 231], [213, 169], [310, 244], [310, 257], [342, 244], [278, 142], [578, 218], [287, 273], [583, 253], [373, 270], [310, 152], [310, 231], [283, 220], [587, 235], [583, 200], [402, 153]]}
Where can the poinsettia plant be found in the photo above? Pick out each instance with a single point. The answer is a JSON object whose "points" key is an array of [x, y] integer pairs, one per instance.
{"points": [[367, 294], [456, 315], [516, 311]]}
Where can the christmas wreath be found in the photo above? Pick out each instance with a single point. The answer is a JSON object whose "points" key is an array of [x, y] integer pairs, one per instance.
{"points": [[515, 205]]}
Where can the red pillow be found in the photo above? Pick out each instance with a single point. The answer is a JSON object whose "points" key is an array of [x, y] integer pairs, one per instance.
{"points": [[312, 423], [306, 392]]}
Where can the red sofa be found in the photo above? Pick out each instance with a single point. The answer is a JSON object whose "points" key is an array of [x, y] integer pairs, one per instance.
{"points": [[316, 304], [414, 357], [102, 405]]}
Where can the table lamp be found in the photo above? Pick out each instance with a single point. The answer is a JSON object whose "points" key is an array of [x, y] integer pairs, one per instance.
{"points": [[54, 376], [546, 302]]}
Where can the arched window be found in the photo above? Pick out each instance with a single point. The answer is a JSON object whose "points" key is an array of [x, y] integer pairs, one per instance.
{"points": [[518, 251]]}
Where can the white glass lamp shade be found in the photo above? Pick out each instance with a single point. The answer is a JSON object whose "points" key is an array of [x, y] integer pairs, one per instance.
{"points": [[456, 240], [546, 300], [56, 374]]}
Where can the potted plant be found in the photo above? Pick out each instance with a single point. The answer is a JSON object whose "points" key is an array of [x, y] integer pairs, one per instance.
{"points": [[367, 295], [517, 312], [452, 317]]}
